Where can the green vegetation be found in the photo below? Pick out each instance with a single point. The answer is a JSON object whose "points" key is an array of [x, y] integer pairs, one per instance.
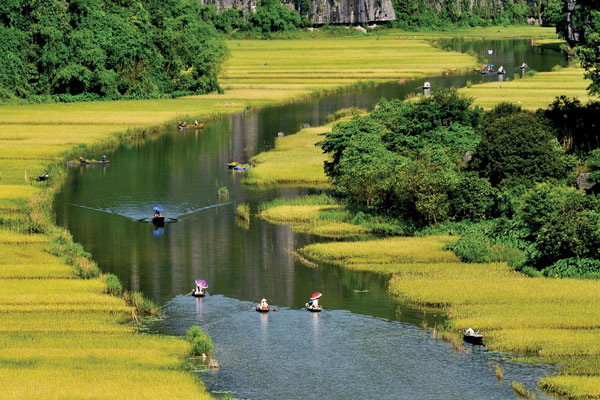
{"points": [[200, 341], [90, 50], [223, 192], [580, 27], [243, 211], [521, 391]]}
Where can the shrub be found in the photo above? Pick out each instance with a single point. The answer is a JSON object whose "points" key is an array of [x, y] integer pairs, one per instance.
{"points": [[141, 304], [223, 192], [472, 197], [200, 341], [113, 284], [574, 268]]}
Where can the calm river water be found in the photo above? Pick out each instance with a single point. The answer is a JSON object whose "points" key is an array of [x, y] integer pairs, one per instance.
{"points": [[364, 345]]}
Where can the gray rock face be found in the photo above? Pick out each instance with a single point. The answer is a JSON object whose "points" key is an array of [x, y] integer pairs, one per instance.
{"points": [[326, 11], [350, 12]]}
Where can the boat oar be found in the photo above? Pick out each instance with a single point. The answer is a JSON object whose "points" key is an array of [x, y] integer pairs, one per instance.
{"points": [[190, 292]]}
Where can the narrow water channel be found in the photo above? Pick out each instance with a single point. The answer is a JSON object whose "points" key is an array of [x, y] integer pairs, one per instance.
{"points": [[365, 345]]}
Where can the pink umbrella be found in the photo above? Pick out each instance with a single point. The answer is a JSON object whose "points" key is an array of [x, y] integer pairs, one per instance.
{"points": [[201, 283], [315, 295]]}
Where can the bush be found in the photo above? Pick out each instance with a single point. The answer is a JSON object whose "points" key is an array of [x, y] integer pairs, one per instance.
{"points": [[472, 197], [141, 304], [113, 284], [574, 268], [200, 341]]}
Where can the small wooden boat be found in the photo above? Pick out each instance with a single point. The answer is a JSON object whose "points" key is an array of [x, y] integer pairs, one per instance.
{"points": [[232, 164], [259, 309], [88, 162], [158, 221], [42, 178], [312, 308], [242, 167], [473, 337], [201, 294]]}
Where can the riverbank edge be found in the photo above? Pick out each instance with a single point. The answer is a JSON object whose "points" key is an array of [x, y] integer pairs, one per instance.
{"points": [[45, 225]]}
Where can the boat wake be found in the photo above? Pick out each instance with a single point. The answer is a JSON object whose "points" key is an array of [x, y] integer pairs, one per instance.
{"points": [[141, 217]]}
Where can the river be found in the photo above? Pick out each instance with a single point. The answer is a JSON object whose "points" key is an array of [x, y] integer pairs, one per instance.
{"points": [[364, 345]]}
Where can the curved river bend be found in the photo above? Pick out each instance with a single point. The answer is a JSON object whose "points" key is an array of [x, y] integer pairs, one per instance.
{"points": [[365, 345]]}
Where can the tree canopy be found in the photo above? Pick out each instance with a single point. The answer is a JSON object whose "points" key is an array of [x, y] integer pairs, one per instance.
{"points": [[111, 49]]}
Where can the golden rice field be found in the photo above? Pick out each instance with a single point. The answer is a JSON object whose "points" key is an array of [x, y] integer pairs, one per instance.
{"points": [[533, 92], [310, 219], [555, 319], [295, 160]]}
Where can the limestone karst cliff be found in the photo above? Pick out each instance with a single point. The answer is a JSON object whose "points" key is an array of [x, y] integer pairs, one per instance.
{"points": [[327, 11]]}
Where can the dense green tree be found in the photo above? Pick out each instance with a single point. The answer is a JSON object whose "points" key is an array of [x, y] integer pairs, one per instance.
{"points": [[577, 125], [445, 119], [341, 136], [133, 48], [519, 149], [472, 197]]}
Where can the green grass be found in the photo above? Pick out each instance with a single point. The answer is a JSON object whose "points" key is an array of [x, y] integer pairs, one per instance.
{"points": [[532, 92]]}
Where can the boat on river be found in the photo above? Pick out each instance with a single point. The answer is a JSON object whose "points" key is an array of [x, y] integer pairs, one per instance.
{"points": [[262, 309], [242, 167], [313, 304], [312, 308], [87, 162], [158, 221], [473, 337]]}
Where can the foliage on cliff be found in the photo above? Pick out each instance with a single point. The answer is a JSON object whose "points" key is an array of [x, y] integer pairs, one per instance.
{"points": [[444, 14], [91, 49], [580, 27]]}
